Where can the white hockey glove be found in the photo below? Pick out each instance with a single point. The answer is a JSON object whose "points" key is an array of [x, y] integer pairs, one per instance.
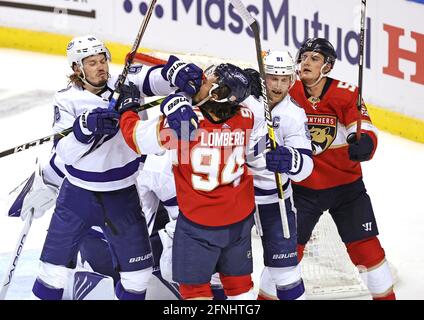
{"points": [[35, 195], [165, 263]]}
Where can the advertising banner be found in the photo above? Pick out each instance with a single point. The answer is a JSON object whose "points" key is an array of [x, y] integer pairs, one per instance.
{"points": [[394, 51]]}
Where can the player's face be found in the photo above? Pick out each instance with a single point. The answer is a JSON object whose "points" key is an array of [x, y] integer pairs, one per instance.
{"points": [[205, 88], [96, 69], [278, 86], [310, 66]]}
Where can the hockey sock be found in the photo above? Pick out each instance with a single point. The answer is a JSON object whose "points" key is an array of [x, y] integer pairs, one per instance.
{"points": [[43, 291], [262, 296], [218, 293], [122, 294], [294, 291], [390, 296]]}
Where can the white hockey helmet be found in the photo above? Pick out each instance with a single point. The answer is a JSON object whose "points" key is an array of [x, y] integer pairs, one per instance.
{"points": [[82, 47], [279, 63]]}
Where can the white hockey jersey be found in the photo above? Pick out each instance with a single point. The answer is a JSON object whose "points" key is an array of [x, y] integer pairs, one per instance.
{"points": [[108, 163], [290, 126], [156, 183]]}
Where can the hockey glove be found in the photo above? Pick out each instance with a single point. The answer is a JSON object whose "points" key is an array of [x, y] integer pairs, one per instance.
{"points": [[180, 115], [99, 121], [187, 77], [360, 150], [129, 98], [255, 82], [284, 160]]}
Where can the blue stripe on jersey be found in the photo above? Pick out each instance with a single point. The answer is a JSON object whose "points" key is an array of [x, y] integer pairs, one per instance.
{"points": [[146, 84], [264, 192], [262, 144], [170, 202], [306, 152], [114, 174], [55, 168]]}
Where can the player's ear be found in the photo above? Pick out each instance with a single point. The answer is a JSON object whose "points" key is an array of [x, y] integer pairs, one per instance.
{"points": [[327, 68], [75, 68]]}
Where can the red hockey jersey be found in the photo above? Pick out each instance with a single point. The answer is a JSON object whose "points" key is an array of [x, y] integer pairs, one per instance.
{"points": [[331, 118], [213, 184]]}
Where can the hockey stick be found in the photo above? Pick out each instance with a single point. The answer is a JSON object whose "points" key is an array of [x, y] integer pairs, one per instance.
{"points": [[130, 57], [17, 253], [361, 69], [65, 132], [241, 9], [147, 59]]}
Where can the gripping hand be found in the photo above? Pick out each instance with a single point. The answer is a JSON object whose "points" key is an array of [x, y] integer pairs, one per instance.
{"points": [[360, 150], [187, 77], [283, 160], [99, 121], [129, 98], [255, 82], [181, 117]]}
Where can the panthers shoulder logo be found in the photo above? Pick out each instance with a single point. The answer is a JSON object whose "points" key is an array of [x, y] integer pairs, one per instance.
{"points": [[323, 130]]}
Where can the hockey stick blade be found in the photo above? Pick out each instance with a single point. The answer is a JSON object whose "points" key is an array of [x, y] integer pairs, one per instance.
{"points": [[241, 9]]}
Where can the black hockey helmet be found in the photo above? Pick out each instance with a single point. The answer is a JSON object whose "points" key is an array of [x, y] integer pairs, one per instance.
{"points": [[233, 84], [320, 45]]}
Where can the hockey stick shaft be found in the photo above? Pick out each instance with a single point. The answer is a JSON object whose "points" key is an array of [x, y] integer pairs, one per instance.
{"points": [[123, 76], [148, 59], [62, 134], [241, 9], [16, 255], [361, 68]]}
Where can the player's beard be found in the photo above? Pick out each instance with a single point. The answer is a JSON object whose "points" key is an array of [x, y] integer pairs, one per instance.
{"points": [[277, 98], [101, 83]]}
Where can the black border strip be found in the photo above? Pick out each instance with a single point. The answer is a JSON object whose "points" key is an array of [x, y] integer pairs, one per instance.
{"points": [[27, 6]]}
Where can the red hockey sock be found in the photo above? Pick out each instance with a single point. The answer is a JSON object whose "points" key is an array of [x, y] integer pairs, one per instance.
{"points": [[389, 296], [263, 297]]}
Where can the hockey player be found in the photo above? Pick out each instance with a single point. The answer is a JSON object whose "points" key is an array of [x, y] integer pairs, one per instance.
{"points": [[157, 194], [293, 159], [99, 189], [214, 189], [336, 182]]}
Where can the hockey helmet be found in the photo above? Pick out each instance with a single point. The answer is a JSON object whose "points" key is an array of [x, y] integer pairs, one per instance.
{"points": [[82, 47], [233, 82], [320, 45], [279, 63]]}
